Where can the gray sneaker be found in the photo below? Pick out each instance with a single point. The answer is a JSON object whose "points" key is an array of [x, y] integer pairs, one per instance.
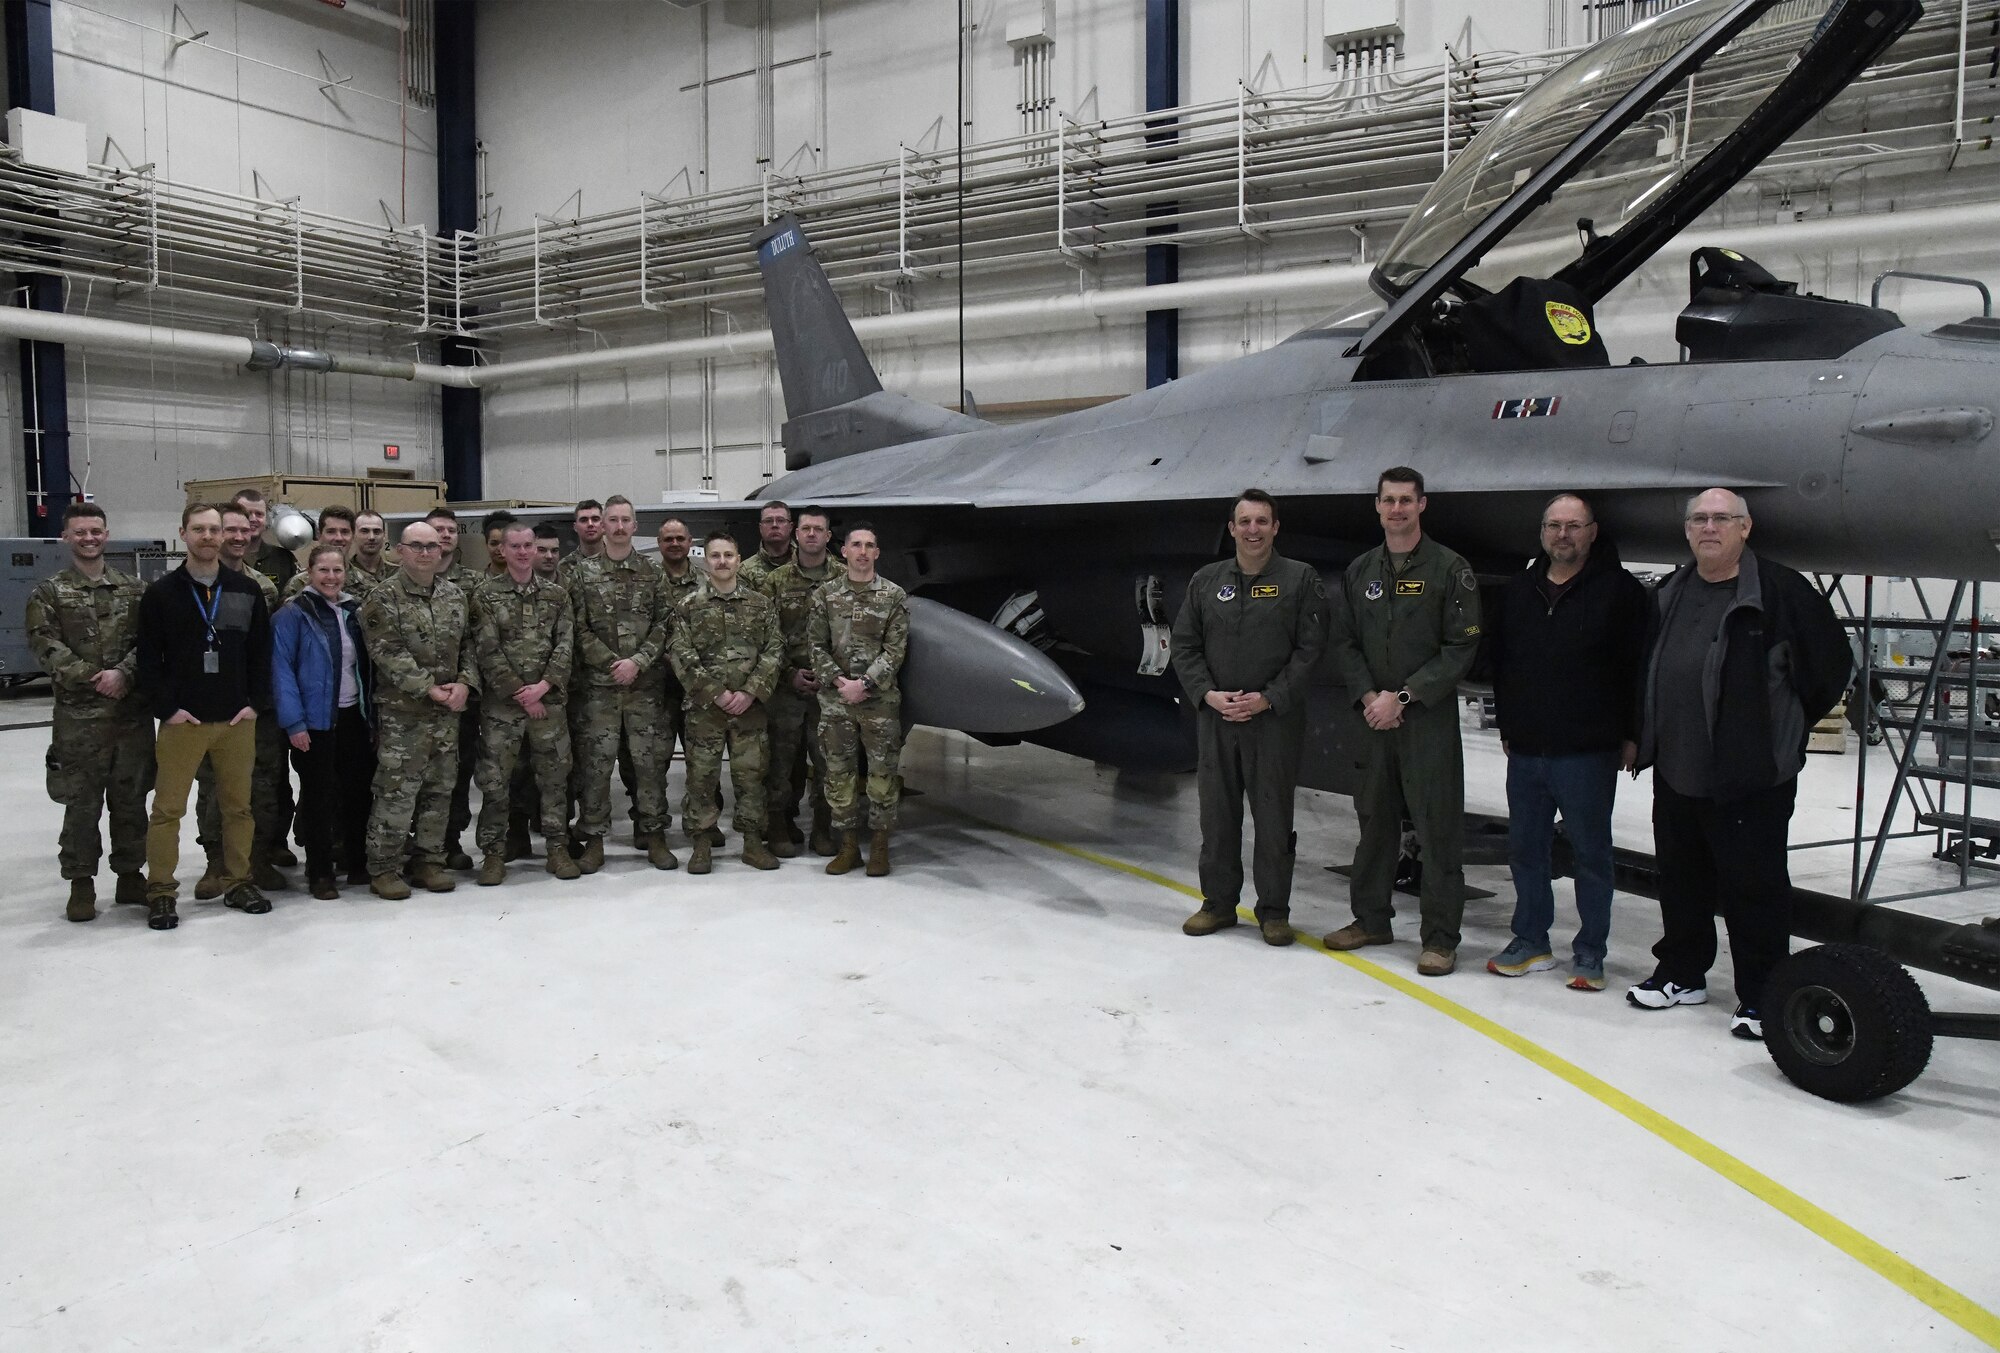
{"points": [[1586, 976], [1520, 958]]}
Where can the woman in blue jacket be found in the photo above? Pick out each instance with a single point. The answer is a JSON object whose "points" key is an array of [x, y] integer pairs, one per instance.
{"points": [[320, 678]]}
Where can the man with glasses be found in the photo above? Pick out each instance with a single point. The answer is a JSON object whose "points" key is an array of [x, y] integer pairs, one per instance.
{"points": [[418, 628], [1566, 643], [774, 550], [1749, 657], [1406, 628]]}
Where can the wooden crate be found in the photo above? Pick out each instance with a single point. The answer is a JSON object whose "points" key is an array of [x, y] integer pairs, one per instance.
{"points": [[310, 493]]}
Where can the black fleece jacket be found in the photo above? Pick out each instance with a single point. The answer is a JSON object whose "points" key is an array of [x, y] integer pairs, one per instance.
{"points": [[173, 636], [1782, 663], [1566, 675]]}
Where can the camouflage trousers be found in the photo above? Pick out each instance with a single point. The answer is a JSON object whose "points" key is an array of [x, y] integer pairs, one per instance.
{"points": [[416, 760], [508, 738], [598, 715], [94, 764], [794, 745], [709, 733], [845, 731], [270, 795]]}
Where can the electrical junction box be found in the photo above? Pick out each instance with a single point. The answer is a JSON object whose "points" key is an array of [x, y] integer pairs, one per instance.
{"points": [[24, 562], [48, 142], [1362, 32], [1036, 25]]}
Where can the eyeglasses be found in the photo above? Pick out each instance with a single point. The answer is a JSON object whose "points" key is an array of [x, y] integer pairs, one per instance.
{"points": [[1567, 528], [423, 547], [1701, 519]]}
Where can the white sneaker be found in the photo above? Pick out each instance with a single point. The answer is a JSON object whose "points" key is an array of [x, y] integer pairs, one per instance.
{"points": [[1656, 993]]}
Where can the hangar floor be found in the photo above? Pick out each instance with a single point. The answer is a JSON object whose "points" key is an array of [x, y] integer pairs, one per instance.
{"points": [[996, 1100]]}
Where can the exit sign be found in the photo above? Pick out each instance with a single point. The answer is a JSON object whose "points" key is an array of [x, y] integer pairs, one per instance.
{"points": [[391, 452]]}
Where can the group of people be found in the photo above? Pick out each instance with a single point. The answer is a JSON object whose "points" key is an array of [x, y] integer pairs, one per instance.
{"points": [[394, 678], [1714, 680]]}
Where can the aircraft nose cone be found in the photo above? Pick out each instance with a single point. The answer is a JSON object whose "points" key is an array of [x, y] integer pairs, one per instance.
{"points": [[966, 674]]}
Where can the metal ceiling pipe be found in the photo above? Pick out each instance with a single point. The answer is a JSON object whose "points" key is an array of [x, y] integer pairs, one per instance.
{"points": [[113, 335]]}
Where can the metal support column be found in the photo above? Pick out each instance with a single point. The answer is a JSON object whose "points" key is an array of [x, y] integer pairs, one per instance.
{"points": [[458, 211], [31, 83], [1163, 261]]}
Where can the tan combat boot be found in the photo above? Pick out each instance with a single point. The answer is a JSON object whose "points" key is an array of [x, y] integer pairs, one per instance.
{"points": [[591, 858], [784, 838], [82, 900], [1209, 920], [432, 877], [389, 886], [493, 869], [699, 856], [849, 856], [659, 854], [560, 863], [212, 882], [878, 853], [822, 831], [756, 854]]}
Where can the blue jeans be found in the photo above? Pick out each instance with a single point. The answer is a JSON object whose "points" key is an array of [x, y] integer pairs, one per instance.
{"points": [[1583, 788]]}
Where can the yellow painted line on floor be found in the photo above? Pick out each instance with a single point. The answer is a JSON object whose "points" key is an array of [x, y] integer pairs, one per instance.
{"points": [[1947, 1301]]}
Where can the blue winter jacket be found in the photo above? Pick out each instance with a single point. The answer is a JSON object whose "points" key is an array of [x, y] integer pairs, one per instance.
{"points": [[305, 661]]}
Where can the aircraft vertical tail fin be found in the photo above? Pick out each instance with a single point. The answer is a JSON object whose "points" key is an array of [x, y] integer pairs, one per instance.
{"points": [[834, 401]]}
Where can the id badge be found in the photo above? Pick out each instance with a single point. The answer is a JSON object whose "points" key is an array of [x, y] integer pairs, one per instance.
{"points": [[211, 662]]}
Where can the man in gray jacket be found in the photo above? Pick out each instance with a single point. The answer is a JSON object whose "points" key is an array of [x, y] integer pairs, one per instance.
{"points": [[1245, 642]]}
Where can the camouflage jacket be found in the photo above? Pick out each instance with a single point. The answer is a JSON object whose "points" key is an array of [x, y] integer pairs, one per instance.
{"points": [[621, 612], [78, 628], [792, 588], [760, 566], [726, 641], [567, 566], [418, 639], [522, 635], [860, 630], [679, 589], [264, 585]]}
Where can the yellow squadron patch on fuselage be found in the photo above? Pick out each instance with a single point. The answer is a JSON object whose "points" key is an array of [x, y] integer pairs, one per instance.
{"points": [[1569, 323]]}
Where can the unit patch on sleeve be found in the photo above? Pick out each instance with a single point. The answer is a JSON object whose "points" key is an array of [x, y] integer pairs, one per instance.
{"points": [[1263, 590], [1538, 406], [1409, 587]]}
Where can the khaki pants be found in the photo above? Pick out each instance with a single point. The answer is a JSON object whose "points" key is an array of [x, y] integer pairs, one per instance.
{"points": [[232, 750]]}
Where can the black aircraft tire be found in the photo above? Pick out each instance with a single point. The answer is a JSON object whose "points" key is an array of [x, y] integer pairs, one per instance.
{"points": [[1846, 1023]]}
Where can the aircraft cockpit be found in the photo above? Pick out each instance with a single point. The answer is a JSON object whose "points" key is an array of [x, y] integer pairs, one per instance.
{"points": [[1589, 175]]}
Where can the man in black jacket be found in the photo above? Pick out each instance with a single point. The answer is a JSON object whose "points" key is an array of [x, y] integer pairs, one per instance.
{"points": [[1749, 657], [1566, 647], [205, 669]]}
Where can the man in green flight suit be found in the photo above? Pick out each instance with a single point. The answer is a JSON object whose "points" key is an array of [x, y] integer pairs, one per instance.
{"points": [[1245, 643], [1405, 633]]}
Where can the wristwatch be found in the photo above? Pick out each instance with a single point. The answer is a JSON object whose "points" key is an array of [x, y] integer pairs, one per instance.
{"points": [[1403, 696], [869, 683]]}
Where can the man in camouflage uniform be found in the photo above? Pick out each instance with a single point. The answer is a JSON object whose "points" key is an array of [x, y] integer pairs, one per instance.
{"points": [[336, 527], [679, 580], [272, 560], [794, 705], [418, 634], [588, 522], [524, 796], [271, 802], [523, 637], [726, 652], [774, 531], [83, 627], [860, 632], [368, 566], [622, 628], [466, 577]]}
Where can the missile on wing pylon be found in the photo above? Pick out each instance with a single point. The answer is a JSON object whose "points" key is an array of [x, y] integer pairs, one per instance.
{"points": [[966, 674]]}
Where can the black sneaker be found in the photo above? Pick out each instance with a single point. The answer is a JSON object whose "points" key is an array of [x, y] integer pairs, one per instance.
{"points": [[1657, 993], [245, 898], [161, 914], [1747, 1024]]}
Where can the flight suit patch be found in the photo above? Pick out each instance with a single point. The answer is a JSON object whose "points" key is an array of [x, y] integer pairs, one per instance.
{"points": [[1374, 590], [1263, 590], [1409, 587], [1226, 592]]}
